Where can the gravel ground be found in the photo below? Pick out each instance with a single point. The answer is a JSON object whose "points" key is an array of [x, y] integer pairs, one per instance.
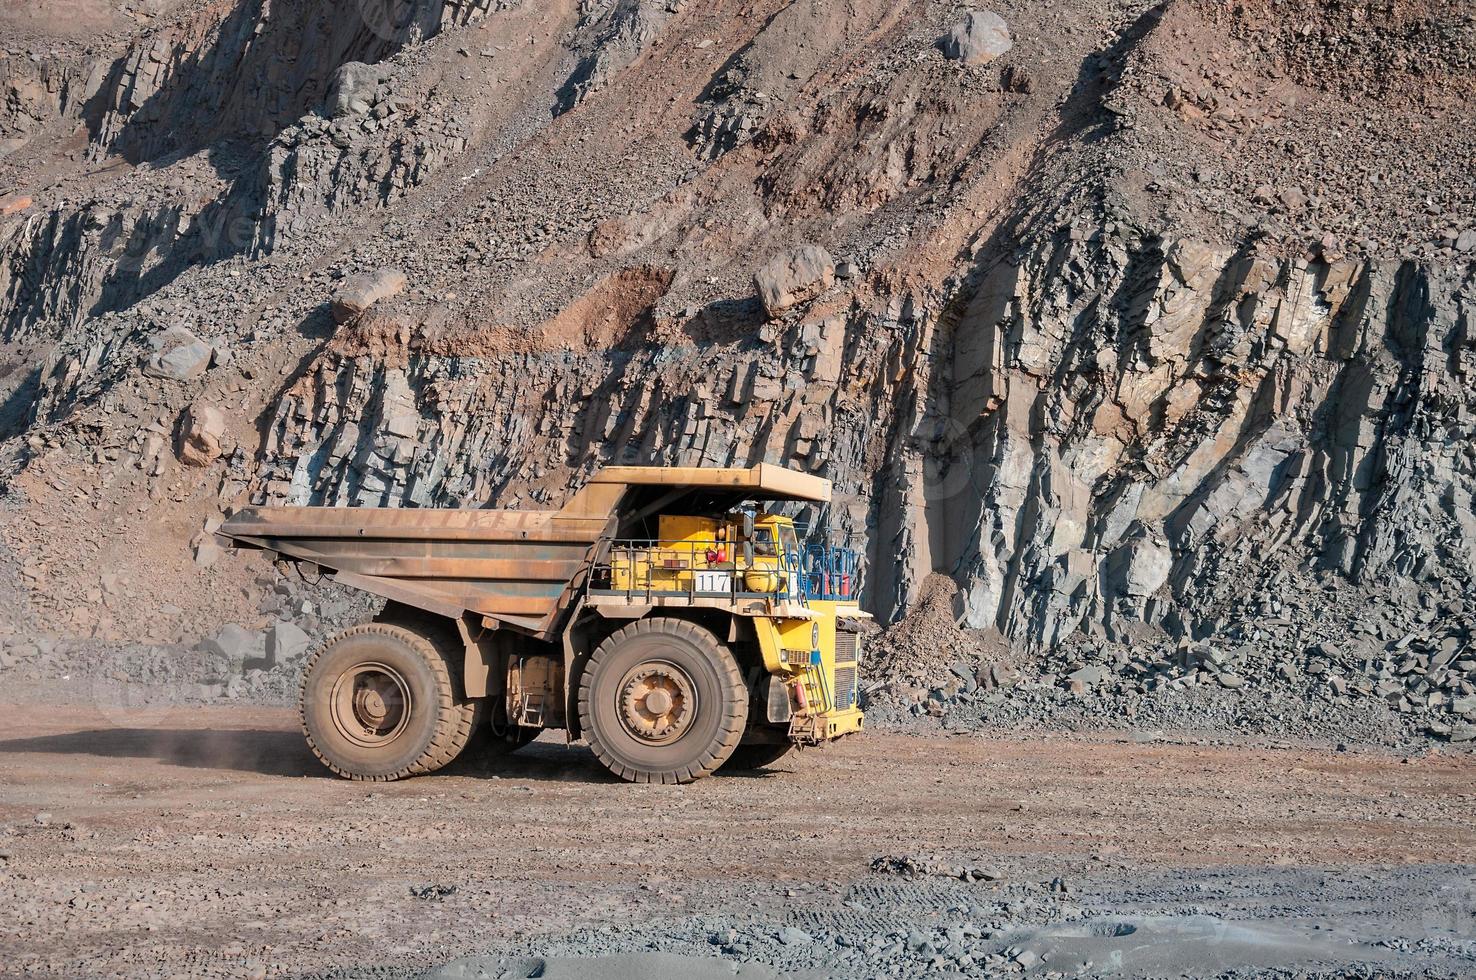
{"points": [[1233, 922], [158, 841]]}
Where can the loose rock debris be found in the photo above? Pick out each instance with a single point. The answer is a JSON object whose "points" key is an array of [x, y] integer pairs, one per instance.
{"points": [[914, 866]]}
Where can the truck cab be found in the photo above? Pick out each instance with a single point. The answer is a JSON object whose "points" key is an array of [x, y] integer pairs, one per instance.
{"points": [[798, 618]]}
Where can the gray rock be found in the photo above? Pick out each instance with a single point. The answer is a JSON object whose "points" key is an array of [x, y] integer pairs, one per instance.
{"points": [[237, 646], [790, 936], [286, 642], [207, 551], [794, 277], [978, 40], [178, 356], [1089, 676], [353, 90], [1141, 567]]}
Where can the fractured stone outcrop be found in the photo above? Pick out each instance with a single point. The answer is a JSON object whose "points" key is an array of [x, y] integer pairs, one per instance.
{"points": [[1105, 432]]}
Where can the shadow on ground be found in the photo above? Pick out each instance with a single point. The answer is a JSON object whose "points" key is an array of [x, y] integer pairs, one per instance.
{"points": [[284, 753], [270, 753], [550, 760]]}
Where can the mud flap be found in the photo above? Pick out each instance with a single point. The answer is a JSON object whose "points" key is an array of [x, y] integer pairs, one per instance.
{"points": [[778, 707]]}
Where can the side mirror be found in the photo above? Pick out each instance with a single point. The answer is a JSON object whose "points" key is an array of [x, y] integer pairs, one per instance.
{"points": [[747, 526], [748, 553]]}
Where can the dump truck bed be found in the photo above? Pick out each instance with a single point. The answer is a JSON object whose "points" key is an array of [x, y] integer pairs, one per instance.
{"points": [[512, 566]]}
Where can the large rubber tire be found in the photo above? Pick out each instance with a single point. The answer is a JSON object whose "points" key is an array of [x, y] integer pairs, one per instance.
{"points": [[419, 720], [757, 755], [708, 685]]}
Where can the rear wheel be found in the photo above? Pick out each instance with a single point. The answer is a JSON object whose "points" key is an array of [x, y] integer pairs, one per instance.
{"points": [[380, 702], [757, 755], [662, 701]]}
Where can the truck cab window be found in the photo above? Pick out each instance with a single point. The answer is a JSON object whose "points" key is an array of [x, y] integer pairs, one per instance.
{"points": [[790, 541]]}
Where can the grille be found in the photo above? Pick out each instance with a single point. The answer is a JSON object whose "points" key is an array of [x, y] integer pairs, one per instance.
{"points": [[845, 688], [845, 647]]}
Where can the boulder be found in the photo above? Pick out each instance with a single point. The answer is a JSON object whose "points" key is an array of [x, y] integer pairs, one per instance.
{"points": [[981, 37], [794, 277], [236, 646], [356, 294], [207, 548], [178, 356], [286, 642], [201, 434], [1087, 677]]}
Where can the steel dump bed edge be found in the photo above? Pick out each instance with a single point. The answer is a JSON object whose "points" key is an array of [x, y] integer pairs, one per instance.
{"points": [[521, 568]]}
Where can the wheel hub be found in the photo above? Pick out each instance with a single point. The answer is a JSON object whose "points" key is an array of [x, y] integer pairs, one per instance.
{"points": [[370, 704], [657, 702]]}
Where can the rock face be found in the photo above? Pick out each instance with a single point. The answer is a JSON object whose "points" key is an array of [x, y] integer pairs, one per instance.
{"points": [[1073, 365], [1225, 408], [981, 37], [616, 34], [1078, 464], [795, 277], [243, 77]]}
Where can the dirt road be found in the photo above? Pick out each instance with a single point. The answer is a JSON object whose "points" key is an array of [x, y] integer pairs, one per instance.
{"points": [[209, 842]]}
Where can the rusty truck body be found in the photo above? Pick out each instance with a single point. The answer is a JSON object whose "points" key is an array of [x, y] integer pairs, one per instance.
{"points": [[662, 615]]}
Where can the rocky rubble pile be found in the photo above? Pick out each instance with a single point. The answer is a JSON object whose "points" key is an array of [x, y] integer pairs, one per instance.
{"points": [[260, 664], [1298, 124], [1425, 673], [1296, 657]]}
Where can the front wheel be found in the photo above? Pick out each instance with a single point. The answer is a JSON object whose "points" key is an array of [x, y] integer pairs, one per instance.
{"points": [[662, 701]]}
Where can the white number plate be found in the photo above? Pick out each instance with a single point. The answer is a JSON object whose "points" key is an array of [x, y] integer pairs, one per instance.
{"points": [[715, 582]]}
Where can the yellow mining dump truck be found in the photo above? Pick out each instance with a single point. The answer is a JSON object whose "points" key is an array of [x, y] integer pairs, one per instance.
{"points": [[660, 615]]}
